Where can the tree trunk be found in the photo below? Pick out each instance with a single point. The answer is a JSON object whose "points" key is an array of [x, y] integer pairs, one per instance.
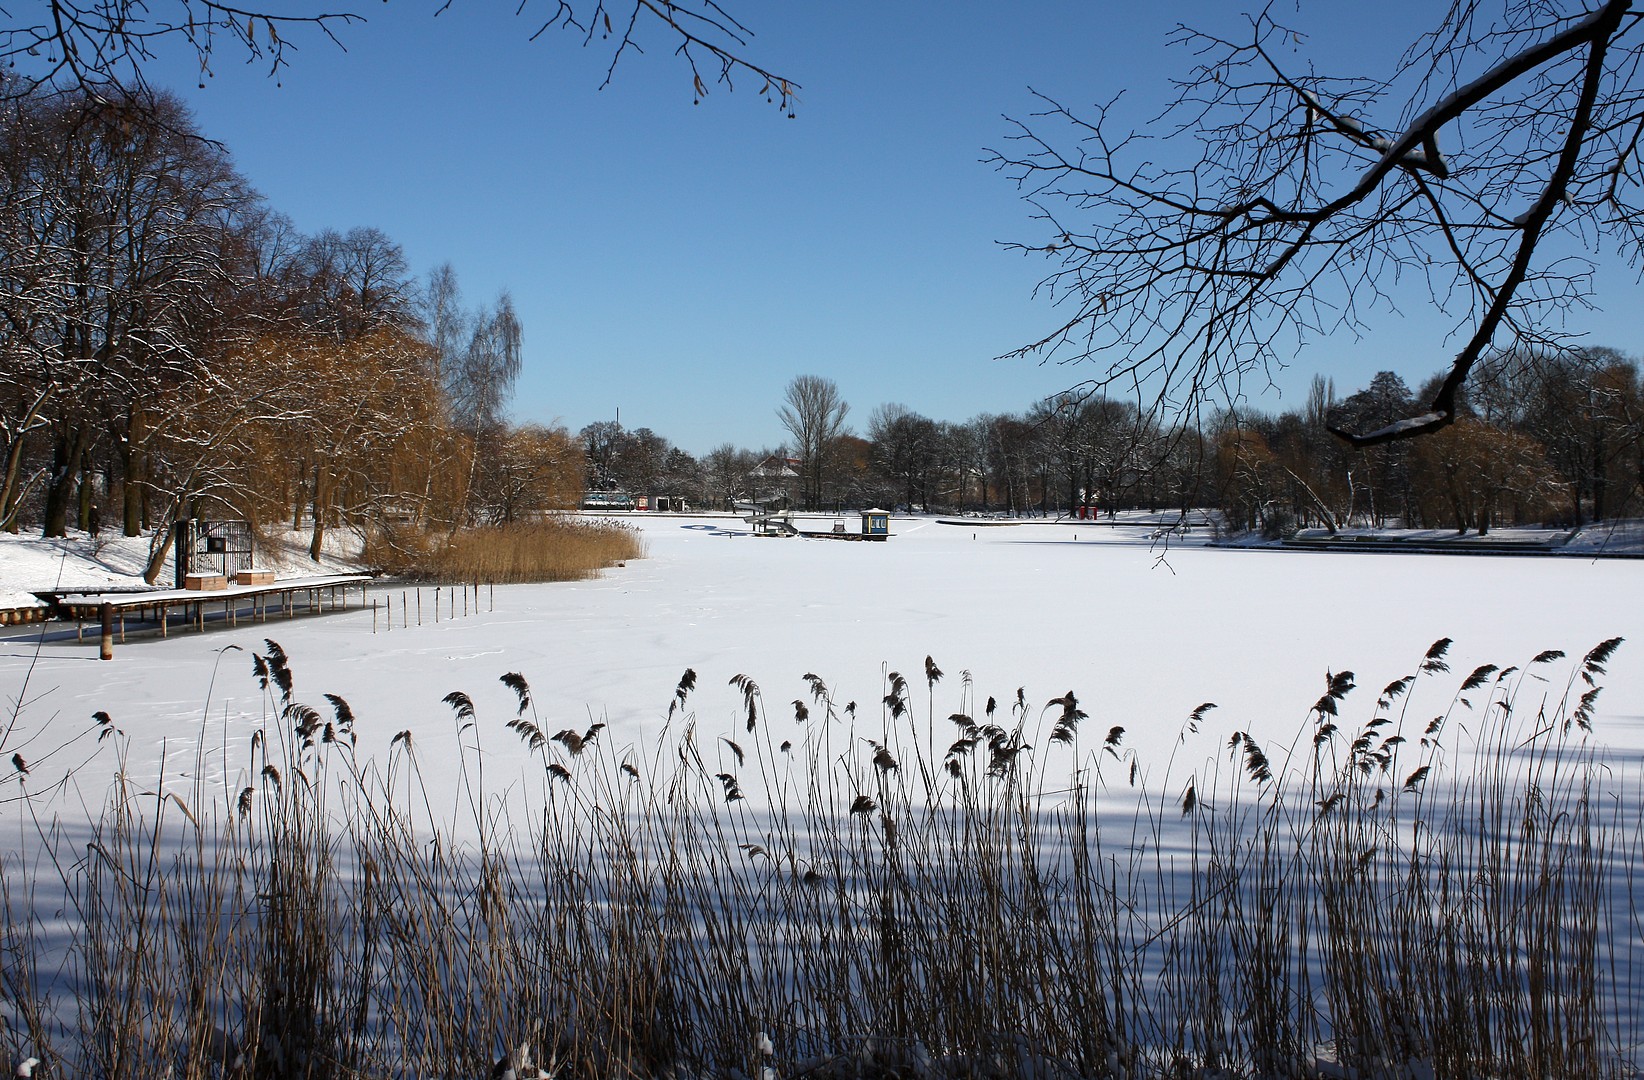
{"points": [[316, 543], [85, 493], [159, 549], [159, 554], [11, 485], [134, 460], [299, 492], [69, 450], [1600, 480], [11, 488]]}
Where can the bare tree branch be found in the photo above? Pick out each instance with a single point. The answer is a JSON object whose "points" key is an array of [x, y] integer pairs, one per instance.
{"points": [[1274, 214], [92, 43]]}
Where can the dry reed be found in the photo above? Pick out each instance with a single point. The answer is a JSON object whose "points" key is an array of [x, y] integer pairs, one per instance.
{"points": [[556, 549], [1388, 897]]}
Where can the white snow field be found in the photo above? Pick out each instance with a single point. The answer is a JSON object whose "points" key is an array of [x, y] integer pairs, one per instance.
{"points": [[1142, 634]]}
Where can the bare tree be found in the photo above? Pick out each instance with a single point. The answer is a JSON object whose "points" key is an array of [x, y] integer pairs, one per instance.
{"points": [[641, 461], [905, 450], [1484, 475], [90, 44], [1583, 409], [814, 415], [601, 442], [355, 283], [1283, 205], [117, 225], [1011, 444], [725, 472], [444, 322], [485, 373], [957, 452]]}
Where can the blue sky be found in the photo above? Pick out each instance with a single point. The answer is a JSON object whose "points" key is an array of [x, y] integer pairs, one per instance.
{"points": [[683, 262]]}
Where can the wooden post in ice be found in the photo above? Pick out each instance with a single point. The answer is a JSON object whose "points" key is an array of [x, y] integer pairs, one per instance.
{"points": [[106, 612]]}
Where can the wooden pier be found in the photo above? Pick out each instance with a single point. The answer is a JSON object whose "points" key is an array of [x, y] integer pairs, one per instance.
{"points": [[161, 605]]}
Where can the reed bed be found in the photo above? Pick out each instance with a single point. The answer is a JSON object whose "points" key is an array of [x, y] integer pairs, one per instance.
{"points": [[934, 886], [555, 549]]}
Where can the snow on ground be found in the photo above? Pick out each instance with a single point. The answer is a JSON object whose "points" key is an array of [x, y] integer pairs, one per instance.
{"points": [[1142, 634], [1609, 536], [31, 564]]}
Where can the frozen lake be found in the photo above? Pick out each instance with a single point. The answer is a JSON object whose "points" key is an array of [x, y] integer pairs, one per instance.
{"points": [[1142, 635]]}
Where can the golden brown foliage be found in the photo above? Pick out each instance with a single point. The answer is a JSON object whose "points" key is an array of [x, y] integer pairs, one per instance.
{"points": [[554, 549]]}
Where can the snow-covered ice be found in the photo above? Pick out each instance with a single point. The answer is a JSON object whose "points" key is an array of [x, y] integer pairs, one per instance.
{"points": [[1142, 634]]}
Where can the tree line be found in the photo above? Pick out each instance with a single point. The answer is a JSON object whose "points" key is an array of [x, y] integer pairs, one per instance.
{"points": [[172, 346], [1539, 439]]}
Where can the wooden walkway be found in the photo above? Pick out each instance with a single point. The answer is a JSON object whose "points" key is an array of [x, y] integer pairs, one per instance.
{"points": [[161, 605]]}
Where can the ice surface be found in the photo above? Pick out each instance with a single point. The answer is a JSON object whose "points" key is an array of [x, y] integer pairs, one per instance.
{"points": [[1142, 635]]}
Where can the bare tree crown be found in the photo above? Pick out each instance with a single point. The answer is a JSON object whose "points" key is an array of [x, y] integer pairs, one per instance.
{"points": [[1267, 207], [814, 413], [89, 43]]}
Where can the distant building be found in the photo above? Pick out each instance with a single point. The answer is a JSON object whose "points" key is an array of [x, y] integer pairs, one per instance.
{"points": [[608, 500], [774, 479], [625, 501]]}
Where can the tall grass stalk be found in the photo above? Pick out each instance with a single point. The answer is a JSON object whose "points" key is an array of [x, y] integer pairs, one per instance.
{"points": [[1403, 894], [563, 548]]}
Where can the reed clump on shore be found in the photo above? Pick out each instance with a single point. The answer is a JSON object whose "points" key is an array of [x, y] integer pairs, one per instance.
{"points": [[827, 891], [560, 548]]}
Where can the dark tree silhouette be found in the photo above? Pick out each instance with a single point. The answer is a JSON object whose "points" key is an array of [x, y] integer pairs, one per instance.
{"points": [[90, 43], [1268, 206]]}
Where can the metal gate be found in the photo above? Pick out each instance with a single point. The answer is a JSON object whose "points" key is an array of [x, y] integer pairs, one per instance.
{"points": [[213, 547]]}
